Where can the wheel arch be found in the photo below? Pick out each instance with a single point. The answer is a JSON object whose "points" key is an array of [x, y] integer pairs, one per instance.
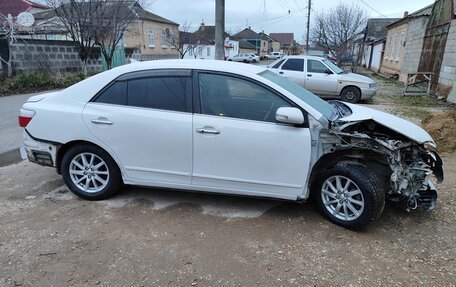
{"points": [[351, 86], [369, 159], [67, 146]]}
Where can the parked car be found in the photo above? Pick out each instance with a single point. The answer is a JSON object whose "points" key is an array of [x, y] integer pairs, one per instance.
{"points": [[322, 77], [274, 55], [255, 57], [246, 58], [222, 127]]}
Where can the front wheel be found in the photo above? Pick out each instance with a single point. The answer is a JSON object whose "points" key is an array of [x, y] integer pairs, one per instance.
{"points": [[350, 94], [349, 195], [90, 172]]}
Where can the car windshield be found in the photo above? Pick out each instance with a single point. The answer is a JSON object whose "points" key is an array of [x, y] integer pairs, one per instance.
{"points": [[315, 102], [333, 67]]}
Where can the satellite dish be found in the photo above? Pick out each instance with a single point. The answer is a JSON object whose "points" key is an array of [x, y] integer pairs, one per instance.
{"points": [[227, 39], [25, 19]]}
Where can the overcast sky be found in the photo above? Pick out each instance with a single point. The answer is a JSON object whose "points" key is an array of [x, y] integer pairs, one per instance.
{"points": [[272, 16]]}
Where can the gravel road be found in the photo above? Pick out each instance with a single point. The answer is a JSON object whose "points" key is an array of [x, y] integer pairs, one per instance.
{"points": [[152, 237]]}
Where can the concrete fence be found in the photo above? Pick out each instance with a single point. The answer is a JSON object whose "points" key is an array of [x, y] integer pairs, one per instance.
{"points": [[52, 56]]}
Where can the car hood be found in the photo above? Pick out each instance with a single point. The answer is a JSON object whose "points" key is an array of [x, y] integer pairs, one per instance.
{"points": [[397, 124], [352, 77]]}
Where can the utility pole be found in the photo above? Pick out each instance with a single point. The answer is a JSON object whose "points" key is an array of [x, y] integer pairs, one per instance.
{"points": [[308, 25], [219, 29]]}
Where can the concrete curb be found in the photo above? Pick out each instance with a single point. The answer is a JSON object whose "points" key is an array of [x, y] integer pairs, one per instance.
{"points": [[10, 157]]}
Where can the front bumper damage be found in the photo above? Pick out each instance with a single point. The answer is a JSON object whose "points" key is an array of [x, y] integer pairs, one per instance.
{"points": [[408, 166]]}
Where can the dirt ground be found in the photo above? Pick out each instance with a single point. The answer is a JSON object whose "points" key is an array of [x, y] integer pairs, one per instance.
{"points": [[150, 237]]}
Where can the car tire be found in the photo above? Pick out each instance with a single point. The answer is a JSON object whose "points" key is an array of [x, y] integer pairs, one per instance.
{"points": [[350, 95], [230, 60], [245, 61], [350, 195], [90, 172]]}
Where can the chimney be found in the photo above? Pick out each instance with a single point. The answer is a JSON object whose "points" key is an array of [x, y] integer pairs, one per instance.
{"points": [[405, 14], [202, 25]]}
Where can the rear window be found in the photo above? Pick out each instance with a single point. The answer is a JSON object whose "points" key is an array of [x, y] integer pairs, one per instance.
{"points": [[164, 93], [161, 92], [115, 94]]}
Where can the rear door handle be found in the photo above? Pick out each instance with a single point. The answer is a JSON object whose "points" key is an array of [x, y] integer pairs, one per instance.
{"points": [[309, 75], [101, 121], [206, 131], [280, 72]]}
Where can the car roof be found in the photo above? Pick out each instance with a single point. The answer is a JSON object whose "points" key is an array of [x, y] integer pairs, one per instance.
{"points": [[303, 57], [95, 83]]}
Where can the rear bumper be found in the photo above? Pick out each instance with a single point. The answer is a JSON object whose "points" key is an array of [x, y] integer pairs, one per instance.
{"points": [[38, 151]]}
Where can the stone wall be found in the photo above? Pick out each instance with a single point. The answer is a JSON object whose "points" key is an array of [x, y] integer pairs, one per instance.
{"points": [[447, 76], [50, 56]]}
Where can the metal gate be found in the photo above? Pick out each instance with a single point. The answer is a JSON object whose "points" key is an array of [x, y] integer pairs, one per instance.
{"points": [[435, 39], [118, 59]]}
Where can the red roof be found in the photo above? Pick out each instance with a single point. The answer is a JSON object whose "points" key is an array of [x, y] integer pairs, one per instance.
{"points": [[14, 7], [284, 38]]}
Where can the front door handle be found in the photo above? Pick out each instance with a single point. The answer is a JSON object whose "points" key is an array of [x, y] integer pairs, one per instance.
{"points": [[101, 121], [309, 75], [206, 131], [280, 72]]}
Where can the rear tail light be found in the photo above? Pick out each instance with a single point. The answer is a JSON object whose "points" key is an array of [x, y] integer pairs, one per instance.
{"points": [[25, 117]]}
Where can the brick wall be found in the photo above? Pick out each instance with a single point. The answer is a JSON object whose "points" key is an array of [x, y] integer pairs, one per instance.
{"points": [[50, 56], [447, 76], [414, 44]]}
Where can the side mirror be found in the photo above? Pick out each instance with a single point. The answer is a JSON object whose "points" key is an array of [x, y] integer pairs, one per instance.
{"points": [[289, 115], [328, 71]]}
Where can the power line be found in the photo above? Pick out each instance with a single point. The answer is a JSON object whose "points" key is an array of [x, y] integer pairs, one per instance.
{"points": [[373, 9]]}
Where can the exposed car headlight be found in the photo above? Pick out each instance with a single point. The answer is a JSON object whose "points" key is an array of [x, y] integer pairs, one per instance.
{"points": [[371, 86]]}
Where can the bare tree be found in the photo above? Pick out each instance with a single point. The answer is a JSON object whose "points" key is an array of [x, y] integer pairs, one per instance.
{"points": [[113, 20], [92, 23], [336, 29], [184, 42], [7, 37]]}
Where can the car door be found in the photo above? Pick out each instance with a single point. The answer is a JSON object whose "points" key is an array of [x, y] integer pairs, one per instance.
{"points": [[238, 146], [320, 79], [293, 69], [145, 120]]}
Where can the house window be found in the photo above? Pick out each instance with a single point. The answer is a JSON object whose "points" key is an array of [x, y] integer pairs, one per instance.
{"points": [[163, 38], [200, 51], [172, 39], [151, 39], [208, 51], [190, 52], [399, 47]]}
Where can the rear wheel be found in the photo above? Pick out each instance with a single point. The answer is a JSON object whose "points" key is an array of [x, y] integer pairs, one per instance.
{"points": [[90, 172], [245, 61], [350, 195], [350, 94]]}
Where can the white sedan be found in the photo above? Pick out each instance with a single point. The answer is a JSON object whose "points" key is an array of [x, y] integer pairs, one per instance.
{"points": [[246, 58], [222, 127], [322, 77]]}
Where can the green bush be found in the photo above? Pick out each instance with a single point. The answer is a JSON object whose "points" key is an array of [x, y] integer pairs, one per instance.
{"points": [[34, 80], [37, 81]]}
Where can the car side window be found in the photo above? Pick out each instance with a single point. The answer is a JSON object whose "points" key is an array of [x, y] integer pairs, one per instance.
{"points": [[314, 66], [162, 92], [276, 66], [294, 65], [228, 96], [115, 94]]}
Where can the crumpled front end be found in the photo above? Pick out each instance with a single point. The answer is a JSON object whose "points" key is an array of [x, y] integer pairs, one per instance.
{"points": [[412, 168], [406, 166]]}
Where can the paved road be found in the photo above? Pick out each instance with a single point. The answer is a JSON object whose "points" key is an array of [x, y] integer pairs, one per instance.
{"points": [[10, 132]]}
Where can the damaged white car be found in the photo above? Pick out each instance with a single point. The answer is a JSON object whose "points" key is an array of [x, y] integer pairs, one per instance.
{"points": [[229, 128]]}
